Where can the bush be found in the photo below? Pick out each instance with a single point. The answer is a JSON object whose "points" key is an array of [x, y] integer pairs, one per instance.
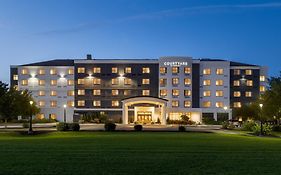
{"points": [[73, 126], [138, 127], [225, 125], [44, 120], [25, 125], [210, 121], [248, 126], [266, 128], [231, 126], [276, 128], [181, 128], [109, 126], [62, 126]]}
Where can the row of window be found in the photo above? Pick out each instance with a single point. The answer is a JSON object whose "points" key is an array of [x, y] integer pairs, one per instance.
{"points": [[238, 94], [52, 71], [42, 116], [205, 104], [43, 82], [97, 103], [238, 72], [175, 70], [114, 70], [114, 81], [54, 103], [175, 81], [175, 92], [114, 92]]}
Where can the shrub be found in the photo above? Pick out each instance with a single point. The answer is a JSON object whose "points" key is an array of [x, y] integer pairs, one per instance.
{"points": [[210, 121], [181, 128], [225, 125], [266, 128], [44, 120], [138, 127], [276, 128], [25, 125], [62, 126], [73, 126], [231, 126], [248, 126], [109, 126], [184, 118]]}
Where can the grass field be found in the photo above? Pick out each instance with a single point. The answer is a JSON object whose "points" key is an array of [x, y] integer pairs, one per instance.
{"points": [[138, 153]]}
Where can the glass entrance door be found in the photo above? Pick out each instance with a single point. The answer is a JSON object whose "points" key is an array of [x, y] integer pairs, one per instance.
{"points": [[144, 116]]}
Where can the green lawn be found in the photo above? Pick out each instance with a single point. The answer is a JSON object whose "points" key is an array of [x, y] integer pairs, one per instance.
{"points": [[138, 153]]}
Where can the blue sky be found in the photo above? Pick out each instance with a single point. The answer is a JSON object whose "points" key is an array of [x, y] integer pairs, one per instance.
{"points": [[246, 31]]}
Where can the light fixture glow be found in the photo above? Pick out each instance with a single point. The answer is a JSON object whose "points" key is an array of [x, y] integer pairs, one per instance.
{"points": [[64, 105], [225, 107], [31, 102], [261, 105]]}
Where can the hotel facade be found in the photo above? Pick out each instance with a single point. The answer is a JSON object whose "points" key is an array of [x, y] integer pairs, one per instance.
{"points": [[140, 90]]}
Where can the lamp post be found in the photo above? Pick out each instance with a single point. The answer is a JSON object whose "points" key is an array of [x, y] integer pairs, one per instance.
{"points": [[64, 113], [261, 105], [30, 131]]}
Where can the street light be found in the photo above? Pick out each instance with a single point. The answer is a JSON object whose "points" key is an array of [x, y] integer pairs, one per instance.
{"points": [[30, 118], [64, 113], [261, 105]]}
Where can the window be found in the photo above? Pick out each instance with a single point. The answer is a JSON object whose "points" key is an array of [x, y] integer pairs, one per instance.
{"points": [[248, 94], [70, 93], [236, 83], [40, 116], [24, 71], [114, 103], [70, 103], [53, 103], [127, 81], [145, 81], [262, 88], [54, 82], [81, 92], [219, 93], [206, 82], [187, 70], [207, 71], [249, 82], [219, 71], [41, 93], [96, 81], [187, 81], [206, 93], [237, 105], [53, 116], [53, 71], [70, 82], [96, 92], [236, 93], [114, 81], [96, 70], [41, 82], [175, 81], [175, 103], [262, 78], [187, 104], [219, 104], [41, 103], [96, 103], [114, 92], [81, 70], [248, 72], [163, 81], [207, 104], [81, 103], [114, 70], [70, 71], [236, 72], [24, 82], [127, 92], [163, 70], [175, 70], [175, 92], [163, 92], [145, 92], [15, 77], [128, 70], [53, 93], [41, 72], [145, 70], [187, 93], [219, 82], [80, 81]]}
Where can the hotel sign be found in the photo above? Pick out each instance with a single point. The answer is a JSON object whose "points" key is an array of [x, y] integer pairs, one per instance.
{"points": [[175, 63]]}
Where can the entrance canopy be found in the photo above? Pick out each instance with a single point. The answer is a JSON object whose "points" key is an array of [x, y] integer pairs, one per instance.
{"points": [[142, 99]]}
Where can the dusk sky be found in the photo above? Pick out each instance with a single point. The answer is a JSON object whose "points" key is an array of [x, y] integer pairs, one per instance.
{"points": [[245, 31]]}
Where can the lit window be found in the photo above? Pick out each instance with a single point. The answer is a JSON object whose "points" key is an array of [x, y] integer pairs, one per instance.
{"points": [[219, 82], [15, 77], [80, 81], [262, 78], [41, 93], [81, 92], [175, 81], [70, 103], [248, 72], [207, 71], [127, 92], [53, 93], [236, 83], [114, 70], [81, 70], [70, 82], [96, 81], [145, 70], [145, 92], [53, 71], [219, 93], [249, 82], [187, 81], [41, 82], [41, 72], [70, 71], [53, 82], [96, 92], [175, 103], [41, 103], [236, 72], [96, 103], [219, 104], [53, 116], [96, 70], [206, 82], [114, 81], [219, 71], [237, 105], [163, 81], [24, 71], [24, 82], [262, 88], [206, 93], [207, 104], [236, 93], [187, 70], [175, 70], [187, 93], [145, 81], [175, 92], [40, 116], [127, 81], [114, 92], [70, 93], [163, 92], [53, 103], [115, 103], [81, 103], [163, 70], [248, 94], [128, 70], [187, 104]]}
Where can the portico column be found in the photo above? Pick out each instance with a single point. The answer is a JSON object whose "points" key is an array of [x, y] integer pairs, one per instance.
{"points": [[230, 114], [163, 113], [125, 114], [216, 116]]}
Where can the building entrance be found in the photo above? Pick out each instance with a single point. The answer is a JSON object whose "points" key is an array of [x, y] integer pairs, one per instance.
{"points": [[144, 116]]}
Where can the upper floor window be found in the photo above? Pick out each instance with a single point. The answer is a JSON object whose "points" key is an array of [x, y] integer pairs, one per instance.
{"points": [[41, 93], [145, 92], [187, 104], [41, 82], [70, 82], [236, 93], [114, 81], [114, 92], [70, 71], [236, 83], [96, 92], [41, 103], [175, 103], [145, 70], [236, 72], [128, 70], [81, 92], [15, 77], [127, 81], [206, 82], [96, 81], [262, 78], [237, 105], [114, 103], [96, 70], [219, 93], [96, 103], [145, 81], [41, 72], [219, 71], [175, 69], [54, 82], [70, 93], [248, 72], [81, 103], [163, 92], [207, 71], [53, 103], [53, 71], [207, 93], [262, 88], [187, 93], [53, 93], [175, 92], [187, 70], [187, 81], [127, 92], [163, 70], [80, 81], [175, 81], [81, 70], [70, 103], [163, 82], [219, 82], [248, 94], [114, 70], [207, 104], [24, 71], [219, 104], [249, 82]]}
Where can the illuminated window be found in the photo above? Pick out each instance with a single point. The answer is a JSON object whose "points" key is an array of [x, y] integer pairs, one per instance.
{"points": [[114, 70], [248, 94], [96, 103], [145, 92], [41, 93], [53, 71], [24, 71], [163, 70], [53, 103], [81, 92], [81, 70], [187, 70], [248, 72], [15, 77], [187, 104], [219, 82], [127, 81], [41, 103], [145, 70], [236, 93], [163, 92], [175, 92], [127, 92], [96, 81], [70, 82], [175, 103], [40, 116], [207, 104], [175, 70], [187, 81], [96, 92], [96, 70], [175, 81], [187, 93], [219, 93], [236, 83], [249, 82], [262, 88], [206, 93], [114, 92], [262, 78], [53, 116], [207, 71], [163, 81], [237, 105], [219, 104], [236, 72], [114, 103], [53, 93], [81, 103], [128, 70], [41, 72], [41, 82], [54, 82], [24, 82], [70, 71], [206, 82], [219, 71], [70, 93], [70, 103], [114, 81], [80, 81], [145, 81]]}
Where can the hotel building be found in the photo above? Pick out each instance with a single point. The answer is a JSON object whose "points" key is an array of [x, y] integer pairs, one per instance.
{"points": [[143, 90]]}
